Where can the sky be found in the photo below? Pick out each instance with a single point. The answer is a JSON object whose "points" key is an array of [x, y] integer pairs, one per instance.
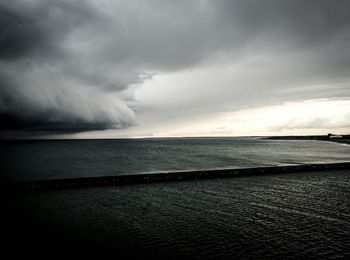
{"points": [[155, 68]]}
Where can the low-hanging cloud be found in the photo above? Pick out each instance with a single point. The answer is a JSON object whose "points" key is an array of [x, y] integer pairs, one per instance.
{"points": [[38, 89], [65, 66], [58, 108]]}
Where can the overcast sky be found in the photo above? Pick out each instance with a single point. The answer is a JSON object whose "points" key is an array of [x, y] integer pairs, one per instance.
{"points": [[109, 68]]}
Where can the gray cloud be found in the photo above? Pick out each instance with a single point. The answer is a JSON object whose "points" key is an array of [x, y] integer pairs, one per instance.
{"points": [[20, 34], [60, 107], [41, 85], [67, 65], [313, 123]]}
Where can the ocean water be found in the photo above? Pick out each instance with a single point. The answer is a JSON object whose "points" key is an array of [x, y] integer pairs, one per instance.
{"points": [[44, 159], [282, 216]]}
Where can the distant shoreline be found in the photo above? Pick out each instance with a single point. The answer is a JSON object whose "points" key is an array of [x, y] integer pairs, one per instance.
{"points": [[168, 176], [343, 139]]}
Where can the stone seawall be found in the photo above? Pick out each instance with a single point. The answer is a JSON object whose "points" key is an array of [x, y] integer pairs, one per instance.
{"points": [[169, 176]]}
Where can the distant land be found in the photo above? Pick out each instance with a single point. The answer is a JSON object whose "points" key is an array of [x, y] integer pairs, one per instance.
{"points": [[329, 137]]}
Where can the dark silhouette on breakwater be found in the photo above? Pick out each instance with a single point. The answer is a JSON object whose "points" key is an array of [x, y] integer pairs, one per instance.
{"points": [[169, 176]]}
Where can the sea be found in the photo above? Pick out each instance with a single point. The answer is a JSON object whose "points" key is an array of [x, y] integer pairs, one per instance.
{"points": [[56, 159], [304, 215]]}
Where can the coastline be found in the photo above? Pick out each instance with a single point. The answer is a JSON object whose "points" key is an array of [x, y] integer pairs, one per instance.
{"points": [[169, 176], [345, 139]]}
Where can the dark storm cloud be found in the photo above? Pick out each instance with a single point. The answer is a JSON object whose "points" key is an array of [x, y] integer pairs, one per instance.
{"points": [[37, 28], [59, 110], [20, 34], [172, 35], [36, 93], [65, 65], [319, 27]]}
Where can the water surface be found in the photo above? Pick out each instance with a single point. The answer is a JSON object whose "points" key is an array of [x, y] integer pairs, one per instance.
{"points": [[299, 215], [33, 160]]}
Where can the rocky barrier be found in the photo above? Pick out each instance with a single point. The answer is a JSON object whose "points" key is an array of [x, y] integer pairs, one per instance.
{"points": [[170, 176]]}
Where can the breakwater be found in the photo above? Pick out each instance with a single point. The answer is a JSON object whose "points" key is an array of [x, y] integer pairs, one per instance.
{"points": [[169, 176]]}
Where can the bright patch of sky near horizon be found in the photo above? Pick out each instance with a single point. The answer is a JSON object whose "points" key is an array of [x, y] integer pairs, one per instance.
{"points": [[309, 117]]}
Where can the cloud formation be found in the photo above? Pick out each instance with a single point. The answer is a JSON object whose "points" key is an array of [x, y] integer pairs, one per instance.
{"points": [[72, 66], [44, 85]]}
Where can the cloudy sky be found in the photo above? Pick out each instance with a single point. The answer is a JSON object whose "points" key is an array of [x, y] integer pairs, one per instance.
{"points": [[110, 68]]}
